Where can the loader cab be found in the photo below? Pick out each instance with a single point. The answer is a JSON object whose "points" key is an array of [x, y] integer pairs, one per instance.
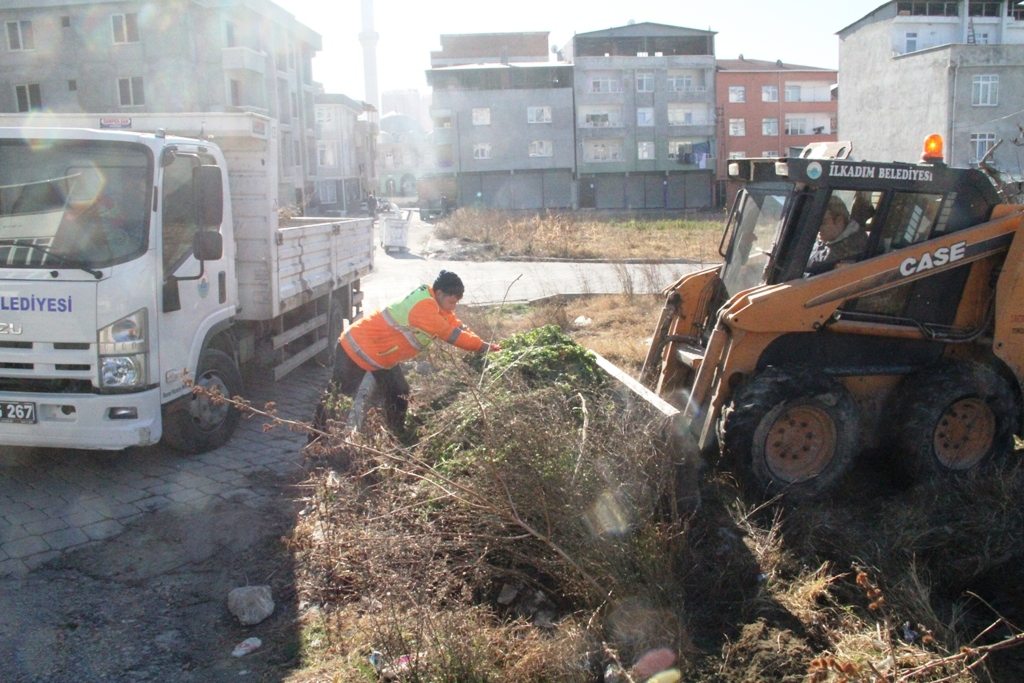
{"points": [[775, 231]]}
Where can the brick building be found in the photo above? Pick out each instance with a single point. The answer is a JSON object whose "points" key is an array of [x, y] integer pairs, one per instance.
{"points": [[770, 108]]}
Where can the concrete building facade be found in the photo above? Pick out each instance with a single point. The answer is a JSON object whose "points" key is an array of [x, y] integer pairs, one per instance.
{"points": [[503, 130], [644, 117], [770, 109], [126, 56], [953, 68], [346, 154]]}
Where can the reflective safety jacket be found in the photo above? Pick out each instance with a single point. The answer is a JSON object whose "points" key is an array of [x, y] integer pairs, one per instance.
{"points": [[404, 329]]}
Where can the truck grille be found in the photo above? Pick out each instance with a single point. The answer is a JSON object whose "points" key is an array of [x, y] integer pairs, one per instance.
{"points": [[47, 367]]}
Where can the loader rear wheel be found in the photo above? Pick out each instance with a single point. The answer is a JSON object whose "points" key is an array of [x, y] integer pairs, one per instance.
{"points": [[952, 418], [202, 423], [792, 431]]}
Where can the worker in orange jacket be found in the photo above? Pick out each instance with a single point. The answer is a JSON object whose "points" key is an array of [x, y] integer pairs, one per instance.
{"points": [[380, 342]]}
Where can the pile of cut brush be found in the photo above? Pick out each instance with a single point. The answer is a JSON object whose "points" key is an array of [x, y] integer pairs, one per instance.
{"points": [[528, 534]]}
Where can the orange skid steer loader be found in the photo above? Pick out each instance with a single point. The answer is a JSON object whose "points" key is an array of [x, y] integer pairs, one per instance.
{"points": [[909, 339]]}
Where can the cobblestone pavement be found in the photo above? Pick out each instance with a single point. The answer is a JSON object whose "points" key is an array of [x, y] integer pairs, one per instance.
{"points": [[55, 500]]}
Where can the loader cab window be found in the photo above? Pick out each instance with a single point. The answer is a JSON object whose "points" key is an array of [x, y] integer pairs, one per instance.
{"points": [[912, 217], [752, 233], [845, 230]]}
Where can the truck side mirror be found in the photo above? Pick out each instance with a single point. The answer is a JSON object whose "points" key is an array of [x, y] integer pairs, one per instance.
{"points": [[208, 245], [207, 181]]}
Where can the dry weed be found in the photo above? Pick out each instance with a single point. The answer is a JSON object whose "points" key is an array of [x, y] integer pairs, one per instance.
{"points": [[585, 236]]}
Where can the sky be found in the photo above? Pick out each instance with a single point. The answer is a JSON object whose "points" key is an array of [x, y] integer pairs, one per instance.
{"points": [[795, 31]]}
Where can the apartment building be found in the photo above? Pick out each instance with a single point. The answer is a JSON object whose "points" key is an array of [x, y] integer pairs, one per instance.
{"points": [[346, 153], [909, 69], [769, 109], [644, 116], [503, 121], [127, 56]]}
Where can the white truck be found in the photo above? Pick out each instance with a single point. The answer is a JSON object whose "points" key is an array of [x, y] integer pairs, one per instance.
{"points": [[132, 263]]}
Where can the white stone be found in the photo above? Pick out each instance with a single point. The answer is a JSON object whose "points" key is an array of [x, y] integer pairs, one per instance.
{"points": [[251, 604]]}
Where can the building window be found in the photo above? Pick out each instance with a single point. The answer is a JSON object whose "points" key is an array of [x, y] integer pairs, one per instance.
{"points": [[681, 151], [985, 90], [644, 81], [737, 155], [770, 154], [327, 190], [796, 125], [792, 92], [645, 150], [981, 143], [236, 92], [605, 84], [65, 22], [19, 35], [645, 116], [910, 42], [481, 116], [769, 93], [737, 127], [538, 114], [325, 155], [130, 91], [769, 126], [680, 82], [126, 28], [680, 116], [482, 150], [737, 93], [542, 148], [29, 97], [595, 117], [72, 85], [229, 34], [603, 151]]}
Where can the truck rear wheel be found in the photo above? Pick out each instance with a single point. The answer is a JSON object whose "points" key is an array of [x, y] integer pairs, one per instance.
{"points": [[204, 423], [952, 418], [792, 431]]}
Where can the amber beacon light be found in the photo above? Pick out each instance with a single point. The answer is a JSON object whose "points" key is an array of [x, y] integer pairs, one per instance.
{"points": [[933, 151]]}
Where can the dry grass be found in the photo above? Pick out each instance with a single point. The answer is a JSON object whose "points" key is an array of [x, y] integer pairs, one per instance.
{"points": [[581, 236], [527, 535]]}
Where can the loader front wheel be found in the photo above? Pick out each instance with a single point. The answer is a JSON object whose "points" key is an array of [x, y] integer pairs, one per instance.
{"points": [[791, 431], [952, 418]]}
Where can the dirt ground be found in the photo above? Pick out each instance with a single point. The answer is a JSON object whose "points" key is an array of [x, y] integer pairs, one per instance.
{"points": [[151, 604]]}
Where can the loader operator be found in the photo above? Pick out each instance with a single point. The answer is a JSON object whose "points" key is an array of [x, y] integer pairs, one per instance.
{"points": [[839, 238], [380, 342]]}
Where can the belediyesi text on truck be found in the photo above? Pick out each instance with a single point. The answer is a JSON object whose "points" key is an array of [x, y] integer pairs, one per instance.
{"points": [[134, 264]]}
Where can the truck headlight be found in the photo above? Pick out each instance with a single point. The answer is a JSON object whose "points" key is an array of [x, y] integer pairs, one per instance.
{"points": [[124, 352], [122, 372]]}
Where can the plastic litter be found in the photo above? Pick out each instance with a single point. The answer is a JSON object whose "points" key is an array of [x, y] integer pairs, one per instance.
{"points": [[246, 646]]}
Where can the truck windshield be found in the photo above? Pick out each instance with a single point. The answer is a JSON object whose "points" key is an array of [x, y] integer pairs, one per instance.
{"points": [[753, 227], [73, 204]]}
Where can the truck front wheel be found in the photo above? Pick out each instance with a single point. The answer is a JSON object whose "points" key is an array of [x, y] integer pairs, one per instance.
{"points": [[205, 423], [793, 431]]}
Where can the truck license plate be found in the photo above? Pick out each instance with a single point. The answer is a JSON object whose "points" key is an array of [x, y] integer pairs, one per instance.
{"points": [[17, 411]]}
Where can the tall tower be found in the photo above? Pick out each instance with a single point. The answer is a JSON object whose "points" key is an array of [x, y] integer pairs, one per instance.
{"points": [[369, 40]]}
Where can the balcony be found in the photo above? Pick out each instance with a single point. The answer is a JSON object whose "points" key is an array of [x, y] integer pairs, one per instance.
{"points": [[243, 59]]}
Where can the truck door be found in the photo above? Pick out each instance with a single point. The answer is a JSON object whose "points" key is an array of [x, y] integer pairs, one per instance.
{"points": [[194, 292]]}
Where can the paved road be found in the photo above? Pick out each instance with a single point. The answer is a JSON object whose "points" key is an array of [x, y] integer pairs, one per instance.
{"points": [[53, 500], [493, 282]]}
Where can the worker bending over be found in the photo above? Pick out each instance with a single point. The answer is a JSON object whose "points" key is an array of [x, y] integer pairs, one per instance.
{"points": [[380, 342]]}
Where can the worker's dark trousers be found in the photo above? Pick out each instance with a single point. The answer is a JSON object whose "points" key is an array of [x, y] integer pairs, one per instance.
{"points": [[393, 388]]}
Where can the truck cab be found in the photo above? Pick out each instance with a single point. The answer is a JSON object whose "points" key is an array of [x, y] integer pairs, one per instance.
{"points": [[116, 261]]}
